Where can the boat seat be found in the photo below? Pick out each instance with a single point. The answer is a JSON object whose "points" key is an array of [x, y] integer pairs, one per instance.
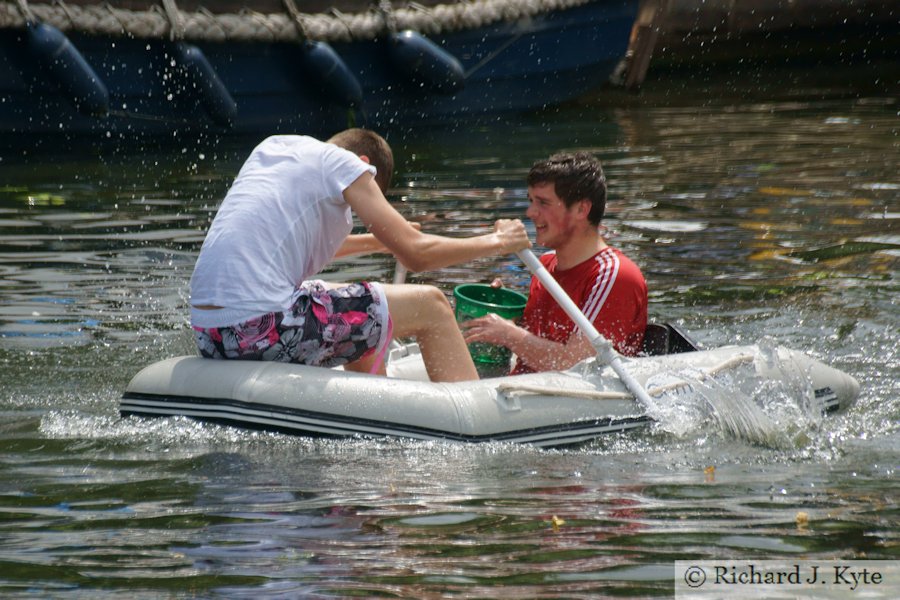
{"points": [[665, 338]]}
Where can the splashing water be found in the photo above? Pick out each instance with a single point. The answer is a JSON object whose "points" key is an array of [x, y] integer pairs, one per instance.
{"points": [[737, 402]]}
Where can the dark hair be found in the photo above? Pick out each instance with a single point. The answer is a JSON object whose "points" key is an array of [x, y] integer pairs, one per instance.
{"points": [[575, 176], [363, 142]]}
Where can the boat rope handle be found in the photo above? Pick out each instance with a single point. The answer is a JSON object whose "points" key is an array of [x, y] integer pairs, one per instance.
{"points": [[176, 24], [495, 53], [26, 11], [297, 17], [734, 361], [386, 12], [506, 388], [731, 363]]}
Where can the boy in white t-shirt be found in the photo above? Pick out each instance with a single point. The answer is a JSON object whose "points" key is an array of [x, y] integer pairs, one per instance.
{"points": [[286, 216]]}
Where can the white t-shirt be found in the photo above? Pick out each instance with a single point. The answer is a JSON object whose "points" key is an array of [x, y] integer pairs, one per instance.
{"points": [[282, 221]]}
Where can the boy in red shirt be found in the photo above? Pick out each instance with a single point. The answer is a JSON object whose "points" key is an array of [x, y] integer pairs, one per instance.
{"points": [[567, 196]]}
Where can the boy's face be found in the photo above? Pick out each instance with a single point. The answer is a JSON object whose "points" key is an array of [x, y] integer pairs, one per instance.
{"points": [[555, 224]]}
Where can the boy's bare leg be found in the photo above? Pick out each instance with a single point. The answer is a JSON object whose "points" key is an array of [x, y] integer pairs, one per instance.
{"points": [[364, 365], [423, 312]]}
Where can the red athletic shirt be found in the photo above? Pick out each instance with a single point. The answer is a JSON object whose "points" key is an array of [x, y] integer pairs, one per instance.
{"points": [[609, 289]]}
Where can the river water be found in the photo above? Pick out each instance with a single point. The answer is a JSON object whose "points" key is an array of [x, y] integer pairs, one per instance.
{"points": [[754, 220]]}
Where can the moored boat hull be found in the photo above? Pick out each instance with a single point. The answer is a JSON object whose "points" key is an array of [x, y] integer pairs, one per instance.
{"points": [[244, 86]]}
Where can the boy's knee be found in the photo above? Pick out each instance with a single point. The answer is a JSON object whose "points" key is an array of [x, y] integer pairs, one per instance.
{"points": [[437, 301], [418, 309], [434, 295]]}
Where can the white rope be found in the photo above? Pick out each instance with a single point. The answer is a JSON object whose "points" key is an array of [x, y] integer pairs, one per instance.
{"points": [[103, 19], [25, 10], [176, 24], [296, 17], [731, 363], [507, 388]]}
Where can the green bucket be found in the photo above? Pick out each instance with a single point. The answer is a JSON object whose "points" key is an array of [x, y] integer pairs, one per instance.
{"points": [[475, 300]]}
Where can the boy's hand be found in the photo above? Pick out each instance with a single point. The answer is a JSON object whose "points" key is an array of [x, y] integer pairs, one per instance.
{"points": [[490, 328], [511, 235]]}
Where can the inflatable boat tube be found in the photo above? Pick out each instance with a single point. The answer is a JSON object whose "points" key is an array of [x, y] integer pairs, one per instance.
{"points": [[543, 409]]}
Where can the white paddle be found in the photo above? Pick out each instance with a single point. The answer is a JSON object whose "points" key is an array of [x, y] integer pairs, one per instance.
{"points": [[399, 273], [605, 351]]}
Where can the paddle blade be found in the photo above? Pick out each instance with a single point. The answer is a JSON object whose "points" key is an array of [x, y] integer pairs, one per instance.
{"points": [[689, 403], [750, 397]]}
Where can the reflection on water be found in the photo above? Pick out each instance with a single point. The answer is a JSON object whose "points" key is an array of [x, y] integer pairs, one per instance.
{"points": [[757, 221]]}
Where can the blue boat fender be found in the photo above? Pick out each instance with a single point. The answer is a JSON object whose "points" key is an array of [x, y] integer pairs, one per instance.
{"points": [[425, 63], [205, 83], [329, 70], [54, 54]]}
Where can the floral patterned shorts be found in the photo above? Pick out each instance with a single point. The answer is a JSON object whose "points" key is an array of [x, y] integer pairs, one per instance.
{"points": [[323, 328]]}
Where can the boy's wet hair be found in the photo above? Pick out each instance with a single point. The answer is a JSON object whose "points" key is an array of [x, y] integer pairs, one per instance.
{"points": [[364, 142], [575, 176]]}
